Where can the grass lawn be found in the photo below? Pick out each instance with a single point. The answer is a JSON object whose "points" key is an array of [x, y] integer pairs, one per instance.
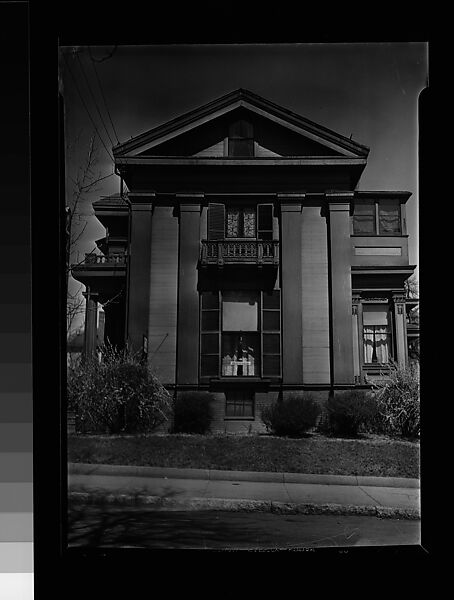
{"points": [[316, 454]]}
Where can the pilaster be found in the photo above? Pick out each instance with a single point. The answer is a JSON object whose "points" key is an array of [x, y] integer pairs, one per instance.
{"points": [[189, 205], [139, 270], [339, 252], [400, 321], [291, 286], [91, 322]]}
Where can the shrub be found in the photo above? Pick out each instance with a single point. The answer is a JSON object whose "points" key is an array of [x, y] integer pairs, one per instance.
{"points": [[192, 412], [291, 417], [349, 412], [398, 401], [118, 394]]}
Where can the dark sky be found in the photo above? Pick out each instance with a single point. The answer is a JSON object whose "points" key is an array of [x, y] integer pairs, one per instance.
{"points": [[369, 91]]}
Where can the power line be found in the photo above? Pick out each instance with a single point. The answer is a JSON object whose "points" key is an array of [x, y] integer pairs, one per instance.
{"points": [[86, 109], [102, 93], [93, 97]]}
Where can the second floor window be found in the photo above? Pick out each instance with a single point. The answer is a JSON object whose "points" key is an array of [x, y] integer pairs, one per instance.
{"points": [[242, 222], [377, 218]]}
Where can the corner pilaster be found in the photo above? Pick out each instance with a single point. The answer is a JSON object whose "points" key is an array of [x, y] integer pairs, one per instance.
{"points": [[338, 210]]}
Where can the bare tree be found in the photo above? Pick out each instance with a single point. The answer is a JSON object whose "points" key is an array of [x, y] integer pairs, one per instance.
{"points": [[84, 182]]}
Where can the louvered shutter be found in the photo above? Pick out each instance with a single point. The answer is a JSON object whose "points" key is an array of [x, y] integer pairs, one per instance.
{"points": [[216, 221], [209, 334], [265, 221], [271, 334]]}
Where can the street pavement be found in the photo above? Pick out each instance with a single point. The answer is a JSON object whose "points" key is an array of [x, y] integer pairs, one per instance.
{"points": [[289, 493], [142, 527]]}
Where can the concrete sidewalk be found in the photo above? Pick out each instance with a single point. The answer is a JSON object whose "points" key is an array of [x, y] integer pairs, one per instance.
{"points": [[199, 489]]}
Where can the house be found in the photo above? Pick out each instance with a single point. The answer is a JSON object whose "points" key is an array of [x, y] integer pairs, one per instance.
{"points": [[244, 261]]}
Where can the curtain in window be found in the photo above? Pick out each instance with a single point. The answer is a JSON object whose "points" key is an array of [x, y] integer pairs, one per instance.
{"points": [[381, 344], [364, 219], [376, 344], [238, 356], [389, 218], [233, 223], [368, 344]]}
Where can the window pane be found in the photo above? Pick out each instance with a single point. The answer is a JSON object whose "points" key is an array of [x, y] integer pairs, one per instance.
{"points": [[375, 314], [210, 300], [271, 320], [210, 320], [239, 404], [233, 222], [241, 147], [364, 218], [240, 355], [377, 344], [239, 311], [271, 343], [271, 366], [249, 222], [389, 218], [209, 366], [271, 299], [210, 343]]}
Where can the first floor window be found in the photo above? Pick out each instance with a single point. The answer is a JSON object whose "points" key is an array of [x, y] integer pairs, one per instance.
{"points": [[239, 403], [376, 334], [240, 334]]}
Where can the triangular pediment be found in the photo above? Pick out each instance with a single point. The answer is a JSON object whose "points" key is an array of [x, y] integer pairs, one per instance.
{"points": [[276, 132]]}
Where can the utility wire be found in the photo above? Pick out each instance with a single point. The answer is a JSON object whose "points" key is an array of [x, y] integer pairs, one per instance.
{"points": [[93, 97], [102, 93], [86, 109]]}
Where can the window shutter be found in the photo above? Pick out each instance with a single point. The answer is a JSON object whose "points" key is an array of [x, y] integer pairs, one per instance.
{"points": [[216, 220], [271, 334], [265, 221], [209, 334]]}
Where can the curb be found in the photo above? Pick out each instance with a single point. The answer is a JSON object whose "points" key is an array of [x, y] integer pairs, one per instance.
{"points": [[224, 504], [255, 476]]}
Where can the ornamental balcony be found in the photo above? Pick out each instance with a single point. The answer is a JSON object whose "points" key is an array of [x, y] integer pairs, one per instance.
{"points": [[236, 252], [105, 259], [97, 268]]}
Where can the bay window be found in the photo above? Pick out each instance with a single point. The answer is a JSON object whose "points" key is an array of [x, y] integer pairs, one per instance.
{"points": [[377, 218]]}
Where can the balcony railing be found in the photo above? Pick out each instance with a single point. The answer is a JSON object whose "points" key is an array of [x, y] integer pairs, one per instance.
{"points": [[239, 252], [102, 259]]}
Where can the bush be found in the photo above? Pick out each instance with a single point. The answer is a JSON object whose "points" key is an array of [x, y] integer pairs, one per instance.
{"points": [[349, 412], [291, 417], [118, 394], [192, 412], [398, 401]]}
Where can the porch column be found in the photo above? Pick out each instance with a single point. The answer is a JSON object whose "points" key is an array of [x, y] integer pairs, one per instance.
{"points": [[90, 329], [357, 337], [400, 328], [291, 286], [188, 296], [339, 268], [138, 300]]}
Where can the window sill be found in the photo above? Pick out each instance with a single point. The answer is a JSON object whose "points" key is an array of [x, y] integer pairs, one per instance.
{"points": [[380, 235]]}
